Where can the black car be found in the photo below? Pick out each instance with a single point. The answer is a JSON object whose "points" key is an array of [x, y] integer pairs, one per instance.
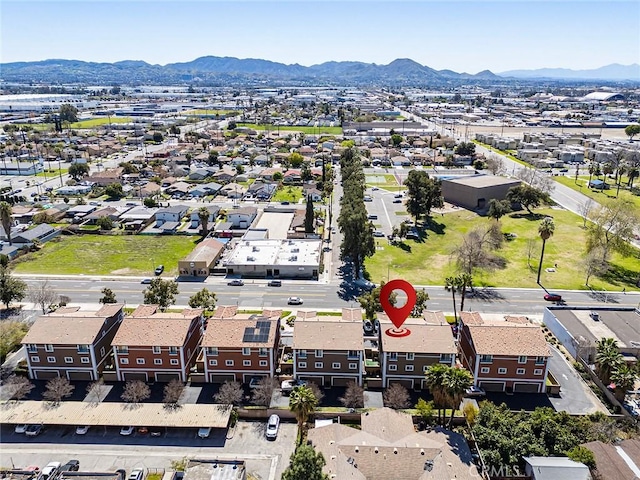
{"points": [[275, 283], [70, 466], [159, 269]]}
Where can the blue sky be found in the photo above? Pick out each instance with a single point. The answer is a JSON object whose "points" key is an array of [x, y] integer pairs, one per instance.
{"points": [[464, 36]]}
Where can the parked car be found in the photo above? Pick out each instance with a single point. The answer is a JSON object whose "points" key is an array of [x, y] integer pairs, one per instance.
{"points": [[126, 431], [288, 385], [20, 428], [136, 474], [553, 297], [254, 382], [294, 301], [50, 470], [397, 200], [159, 269], [372, 217], [595, 316], [146, 281], [272, 426], [474, 391], [155, 432], [275, 283], [71, 466], [378, 233], [33, 430], [236, 283], [82, 430], [204, 432]]}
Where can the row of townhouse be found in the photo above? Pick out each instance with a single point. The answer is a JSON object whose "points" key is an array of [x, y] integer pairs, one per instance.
{"points": [[154, 346]]}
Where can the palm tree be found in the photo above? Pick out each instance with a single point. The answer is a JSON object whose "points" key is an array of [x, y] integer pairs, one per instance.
{"points": [[435, 381], [608, 358], [625, 378], [466, 280], [203, 216], [302, 402], [456, 381], [453, 283], [5, 219], [545, 229]]}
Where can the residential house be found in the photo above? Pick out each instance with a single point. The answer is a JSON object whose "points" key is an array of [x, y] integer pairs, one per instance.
{"points": [[309, 189], [201, 173], [173, 213], [233, 190], [206, 189], [157, 346], [71, 343], [202, 259], [619, 461], [40, 233], [107, 177], [225, 175], [137, 218], [553, 468], [178, 189], [387, 447], [242, 217], [405, 360], [328, 352], [241, 347], [510, 355], [268, 173], [214, 210], [261, 191], [150, 189], [292, 176]]}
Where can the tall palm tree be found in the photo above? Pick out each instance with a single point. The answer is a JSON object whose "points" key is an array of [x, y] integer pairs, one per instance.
{"points": [[545, 229], [466, 281], [625, 378], [455, 382], [302, 402], [453, 283], [435, 382], [5, 219], [608, 358], [203, 216]]}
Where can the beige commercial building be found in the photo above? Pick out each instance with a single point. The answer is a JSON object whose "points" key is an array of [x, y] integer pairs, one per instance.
{"points": [[202, 259], [474, 192]]}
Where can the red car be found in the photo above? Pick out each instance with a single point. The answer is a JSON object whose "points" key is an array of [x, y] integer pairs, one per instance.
{"points": [[553, 297]]}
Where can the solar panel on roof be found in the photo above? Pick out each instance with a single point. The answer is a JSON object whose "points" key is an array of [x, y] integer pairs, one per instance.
{"points": [[257, 334]]}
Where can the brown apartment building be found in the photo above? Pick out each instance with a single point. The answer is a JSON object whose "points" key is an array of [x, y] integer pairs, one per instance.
{"points": [[155, 346], [405, 360], [241, 347], [510, 355], [71, 343], [328, 352]]}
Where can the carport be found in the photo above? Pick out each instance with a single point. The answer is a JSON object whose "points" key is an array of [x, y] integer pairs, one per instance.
{"points": [[213, 378], [342, 381], [526, 388], [129, 376], [405, 382]]}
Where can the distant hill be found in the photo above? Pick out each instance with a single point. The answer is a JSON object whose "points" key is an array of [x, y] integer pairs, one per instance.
{"points": [[211, 70], [614, 71]]}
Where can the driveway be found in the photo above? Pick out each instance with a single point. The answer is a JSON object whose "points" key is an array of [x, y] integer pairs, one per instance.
{"points": [[575, 395]]}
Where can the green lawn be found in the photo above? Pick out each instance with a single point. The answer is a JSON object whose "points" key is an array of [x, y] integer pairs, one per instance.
{"points": [[99, 121], [431, 261], [306, 130], [108, 255], [53, 173], [386, 181], [595, 194], [288, 194]]}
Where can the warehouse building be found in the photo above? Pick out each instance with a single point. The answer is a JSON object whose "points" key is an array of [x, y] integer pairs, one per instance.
{"points": [[474, 192]]}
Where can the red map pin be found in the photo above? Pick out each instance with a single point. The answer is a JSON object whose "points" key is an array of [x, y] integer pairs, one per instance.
{"points": [[398, 315]]}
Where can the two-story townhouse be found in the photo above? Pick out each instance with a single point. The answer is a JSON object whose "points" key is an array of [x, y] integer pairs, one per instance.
{"points": [[238, 349], [173, 213], [510, 355], [156, 346], [406, 359], [72, 343], [329, 353]]}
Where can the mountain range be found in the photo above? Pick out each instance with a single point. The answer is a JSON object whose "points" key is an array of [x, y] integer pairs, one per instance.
{"points": [[228, 70]]}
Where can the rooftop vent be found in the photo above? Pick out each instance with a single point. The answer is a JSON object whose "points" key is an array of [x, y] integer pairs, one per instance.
{"points": [[395, 450]]}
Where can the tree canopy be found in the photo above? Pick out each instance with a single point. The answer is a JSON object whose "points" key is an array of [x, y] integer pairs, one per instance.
{"points": [[305, 464], [161, 292], [423, 194], [527, 196]]}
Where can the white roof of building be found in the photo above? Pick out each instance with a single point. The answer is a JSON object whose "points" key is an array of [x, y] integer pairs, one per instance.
{"points": [[276, 252]]}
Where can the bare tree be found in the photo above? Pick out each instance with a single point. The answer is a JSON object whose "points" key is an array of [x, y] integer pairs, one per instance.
{"points": [[585, 209], [495, 164], [396, 397], [229, 393], [353, 396], [19, 387], [172, 393], [263, 393], [57, 389], [531, 250], [95, 391], [135, 391], [43, 294], [595, 263], [474, 251], [613, 227], [317, 392]]}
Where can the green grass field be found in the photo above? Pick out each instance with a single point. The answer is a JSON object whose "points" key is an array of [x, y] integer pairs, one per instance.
{"points": [[288, 194], [305, 130], [108, 255], [385, 181], [595, 194], [200, 111], [99, 121], [431, 261]]}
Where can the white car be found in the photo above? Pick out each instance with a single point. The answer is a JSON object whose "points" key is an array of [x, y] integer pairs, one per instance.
{"points": [[82, 430], [288, 385], [204, 432], [50, 470], [136, 474], [294, 301], [21, 428], [474, 391], [272, 426], [126, 431]]}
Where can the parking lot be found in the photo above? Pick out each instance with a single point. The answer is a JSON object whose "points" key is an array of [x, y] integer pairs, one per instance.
{"points": [[104, 450]]}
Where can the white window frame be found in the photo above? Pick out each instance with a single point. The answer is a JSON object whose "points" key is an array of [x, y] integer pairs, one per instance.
{"points": [[68, 359], [35, 359], [246, 351], [157, 361], [537, 371], [229, 363], [122, 349], [213, 363], [408, 368], [124, 361], [522, 359], [174, 361], [302, 354], [103, 351], [263, 351], [32, 348], [446, 357], [520, 371], [157, 350], [140, 361], [213, 351], [393, 356], [319, 365], [353, 354], [336, 365], [173, 350], [411, 356], [485, 370], [83, 348], [502, 371], [84, 359], [264, 363], [246, 363], [302, 364], [48, 348], [319, 353], [540, 360], [51, 359], [486, 358], [393, 368], [353, 366]]}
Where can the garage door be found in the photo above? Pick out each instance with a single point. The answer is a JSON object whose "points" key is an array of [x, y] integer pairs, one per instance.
{"points": [[342, 381], [127, 376], [526, 387], [222, 378], [408, 383], [167, 377], [317, 380], [80, 375], [45, 374], [492, 386]]}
